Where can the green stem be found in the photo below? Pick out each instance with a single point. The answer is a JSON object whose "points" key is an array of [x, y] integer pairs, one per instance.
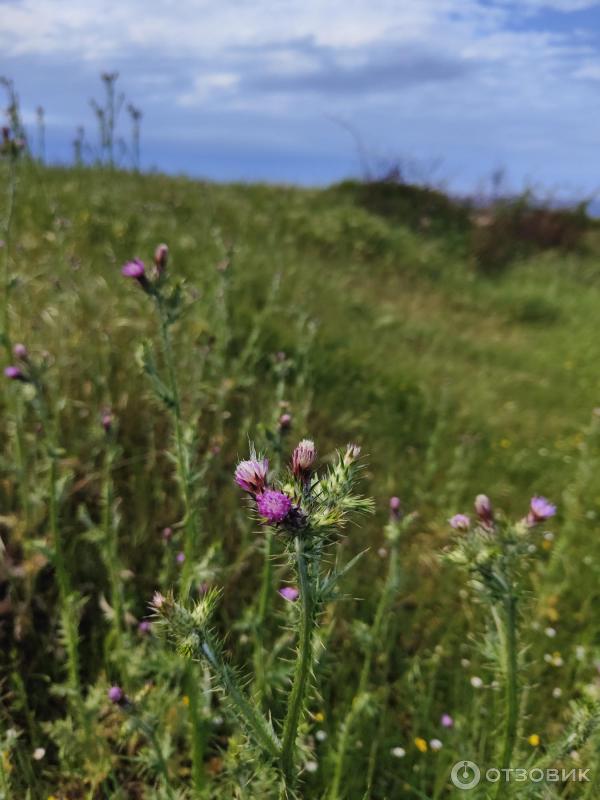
{"points": [[189, 542], [112, 560], [12, 184], [303, 666], [509, 647], [261, 616], [162, 764]]}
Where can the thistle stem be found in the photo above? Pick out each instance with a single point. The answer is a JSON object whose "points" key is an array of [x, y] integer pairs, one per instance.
{"points": [[508, 633], [303, 665]]}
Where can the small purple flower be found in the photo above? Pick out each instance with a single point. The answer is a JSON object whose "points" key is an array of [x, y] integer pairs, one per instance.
{"points": [[285, 422], [107, 420], [540, 510], [303, 458], [180, 558], [251, 475], [144, 627], [116, 695], [134, 269], [395, 506], [289, 593], [484, 509], [273, 506], [20, 352], [446, 721], [460, 522], [167, 534], [14, 373]]}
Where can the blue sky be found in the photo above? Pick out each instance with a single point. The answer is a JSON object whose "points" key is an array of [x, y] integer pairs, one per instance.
{"points": [[280, 90]]}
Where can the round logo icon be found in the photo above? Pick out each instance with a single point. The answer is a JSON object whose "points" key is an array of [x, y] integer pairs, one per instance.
{"points": [[465, 775]]}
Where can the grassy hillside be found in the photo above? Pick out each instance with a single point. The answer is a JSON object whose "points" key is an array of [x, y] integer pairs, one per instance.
{"points": [[366, 318]]}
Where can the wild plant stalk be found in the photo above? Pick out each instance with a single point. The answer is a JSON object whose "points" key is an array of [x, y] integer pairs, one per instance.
{"points": [[168, 308], [308, 511], [506, 625]]}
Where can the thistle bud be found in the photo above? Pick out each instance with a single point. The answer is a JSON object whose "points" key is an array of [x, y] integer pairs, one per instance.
{"points": [[303, 458], [251, 475], [285, 422], [161, 256], [484, 509], [352, 454], [135, 269], [20, 352], [395, 506], [14, 373]]}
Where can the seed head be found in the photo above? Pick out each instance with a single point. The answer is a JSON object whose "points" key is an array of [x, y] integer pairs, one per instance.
{"points": [[251, 475], [273, 506]]}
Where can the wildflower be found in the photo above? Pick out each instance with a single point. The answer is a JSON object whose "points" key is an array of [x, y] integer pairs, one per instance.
{"points": [[460, 522], [398, 752], [303, 458], [320, 736], [39, 753], [135, 269], [352, 454], [311, 766], [289, 593], [116, 695], [484, 510], [534, 740], [251, 475], [185, 700], [557, 692], [144, 627], [285, 422], [540, 510], [476, 682], [550, 632], [20, 352], [107, 420], [14, 373], [435, 745], [167, 534], [161, 256], [180, 558], [319, 716], [273, 506], [421, 744], [395, 507], [158, 600], [447, 721]]}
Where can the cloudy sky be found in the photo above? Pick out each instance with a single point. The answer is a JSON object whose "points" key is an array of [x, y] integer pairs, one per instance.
{"points": [[284, 90]]}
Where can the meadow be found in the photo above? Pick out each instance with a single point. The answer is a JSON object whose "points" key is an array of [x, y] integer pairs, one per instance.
{"points": [[352, 314]]}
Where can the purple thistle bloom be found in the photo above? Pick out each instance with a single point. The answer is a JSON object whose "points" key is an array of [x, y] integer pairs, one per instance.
{"points": [[540, 510], [107, 420], [251, 475], [167, 534], [395, 506], [289, 593], [484, 509], [134, 269], [460, 522], [20, 352], [116, 695], [144, 626], [180, 557], [285, 422], [14, 373], [273, 506], [447, 721]]}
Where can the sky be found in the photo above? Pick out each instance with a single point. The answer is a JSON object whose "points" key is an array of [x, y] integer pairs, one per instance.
{"points": [[312, 91]]}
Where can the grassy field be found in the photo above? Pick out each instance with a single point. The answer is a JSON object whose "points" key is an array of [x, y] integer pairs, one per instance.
{"points": [[367, 323]]}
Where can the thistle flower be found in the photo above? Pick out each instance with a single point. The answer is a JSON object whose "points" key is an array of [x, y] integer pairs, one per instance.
{"points": [[289, 593], [273, 506], [303, 458], [180, 558], [107, 420], [14, 373], [158, 600], [395, 507], [135, 269], [116, 695], [460, 522], [285, 422], [144, 627], [20, 352], [161, 256], [251, 475], [167, 534], [484, 509], [540, 510], [446, 721]]}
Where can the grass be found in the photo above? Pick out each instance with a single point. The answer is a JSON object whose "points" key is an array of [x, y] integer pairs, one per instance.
{"points": [[454, 384]]}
